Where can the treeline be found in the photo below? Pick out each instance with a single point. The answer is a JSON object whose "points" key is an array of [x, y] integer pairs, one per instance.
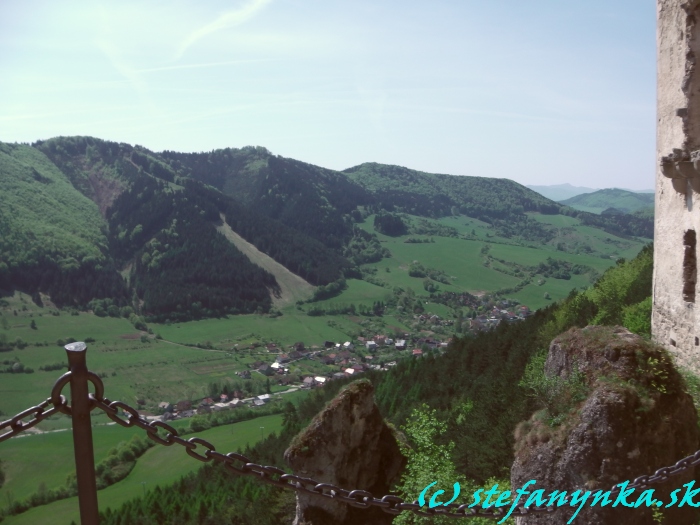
{"points": [[390, 224], [432, 195], [632, 224], [182, 266], [377, 309], [71, 284], [560, 269], [364, 248]]}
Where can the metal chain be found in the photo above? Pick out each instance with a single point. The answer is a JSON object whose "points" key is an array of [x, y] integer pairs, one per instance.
{"points": [[17, 426], [240, 464], [204, 451]]}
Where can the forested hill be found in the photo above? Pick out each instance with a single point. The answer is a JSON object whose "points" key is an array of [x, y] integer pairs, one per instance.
{"points": [[311, 199], [601, 200], [83, 219], [433, 195]]}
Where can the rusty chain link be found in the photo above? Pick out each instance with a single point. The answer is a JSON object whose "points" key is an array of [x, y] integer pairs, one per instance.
{"points": [[240, 464], [204, 451], [17, 426]]}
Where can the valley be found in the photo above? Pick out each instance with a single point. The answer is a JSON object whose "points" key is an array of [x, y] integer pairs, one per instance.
{"points": [[238, 273]]}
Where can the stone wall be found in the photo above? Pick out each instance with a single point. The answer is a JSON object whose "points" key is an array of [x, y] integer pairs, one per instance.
{"points": [[675, 318]]}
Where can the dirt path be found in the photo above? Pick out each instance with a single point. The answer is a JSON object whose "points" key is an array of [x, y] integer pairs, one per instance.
{"points": [[293, 287]]}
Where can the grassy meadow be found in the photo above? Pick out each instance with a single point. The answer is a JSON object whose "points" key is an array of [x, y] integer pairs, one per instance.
{"points": [[158, 466]]}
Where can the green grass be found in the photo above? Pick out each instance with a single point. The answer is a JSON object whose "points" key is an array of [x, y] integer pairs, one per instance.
{"points": [[560, 221], [154, 371], [292, 326], [51, 455], [533, 295], [158, 466]]}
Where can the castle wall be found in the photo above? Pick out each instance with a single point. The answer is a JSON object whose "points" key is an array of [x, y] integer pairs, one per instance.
{"points": [[676, 317]]}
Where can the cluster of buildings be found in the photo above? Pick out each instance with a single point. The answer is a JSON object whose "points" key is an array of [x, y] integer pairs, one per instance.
{"points": [[185, 408], [493, 318]]}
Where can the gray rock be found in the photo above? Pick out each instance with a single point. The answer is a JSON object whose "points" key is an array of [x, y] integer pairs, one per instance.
{"points": [[349, 445], [635, 419]]}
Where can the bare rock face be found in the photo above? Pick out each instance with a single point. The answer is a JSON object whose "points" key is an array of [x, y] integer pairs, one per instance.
{"points": [[636, 418], [349, 445]]}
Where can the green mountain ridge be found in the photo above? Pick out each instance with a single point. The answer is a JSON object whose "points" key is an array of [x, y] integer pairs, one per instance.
{"points": [[111, 207]]}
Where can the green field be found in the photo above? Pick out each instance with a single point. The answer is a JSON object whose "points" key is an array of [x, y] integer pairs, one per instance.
{"points": [[167, 370], [138, 365], [158, 466]]}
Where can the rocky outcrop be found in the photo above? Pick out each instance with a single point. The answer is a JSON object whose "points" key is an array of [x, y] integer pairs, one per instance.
{"points": [[349, 445], [636, 418]]}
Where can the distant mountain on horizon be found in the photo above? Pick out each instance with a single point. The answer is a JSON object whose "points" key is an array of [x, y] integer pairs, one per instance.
{"points": [[562, 192], [611, 199]]}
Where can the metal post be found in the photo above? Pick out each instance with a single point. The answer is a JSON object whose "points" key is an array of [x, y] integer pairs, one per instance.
{"points": [[82, 434]]}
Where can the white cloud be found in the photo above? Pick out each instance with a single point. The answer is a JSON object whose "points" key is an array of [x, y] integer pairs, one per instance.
{"points": [[226, 20]]}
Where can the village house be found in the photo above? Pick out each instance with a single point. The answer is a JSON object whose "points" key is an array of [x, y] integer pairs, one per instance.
{"points": [[183, 405]]}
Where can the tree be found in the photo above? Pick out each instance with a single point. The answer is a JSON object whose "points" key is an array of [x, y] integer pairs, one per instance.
{"points": [[431, 461], [32, 325], [428, 461]]}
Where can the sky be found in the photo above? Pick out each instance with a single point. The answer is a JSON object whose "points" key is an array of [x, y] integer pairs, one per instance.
{"points": [[538, 91]]}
